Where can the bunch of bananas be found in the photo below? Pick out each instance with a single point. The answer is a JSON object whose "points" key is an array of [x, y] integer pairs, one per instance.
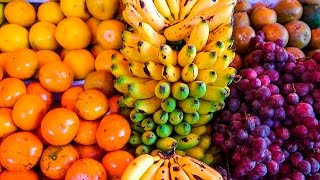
{"points": [[174, 72], [168, 166]]}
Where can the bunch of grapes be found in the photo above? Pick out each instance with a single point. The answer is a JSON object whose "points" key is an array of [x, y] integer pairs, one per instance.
{"points": [[270, 124]]}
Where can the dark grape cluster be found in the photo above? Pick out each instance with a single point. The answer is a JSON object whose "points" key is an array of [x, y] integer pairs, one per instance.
{"points": [[270, 125]]}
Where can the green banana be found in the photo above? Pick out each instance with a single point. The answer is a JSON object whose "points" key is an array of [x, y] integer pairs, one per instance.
{"points": [[125, 112], [142, 90], [202, 130], [149, 106], [195, 152], [187, 141], [189, 72], [207, 107], [189, 105], [135, 139], [197, 89], [180, 90], [160, 117], [121, 82], [149, 138], [163, 89], [2, 17], [136, 126], [182, 128], [137, 116], [168, 104], [210, 159], [166, 144], [148, 124], [191, 118], [180, 152], [205, 142], [176, 116], [164, 130], [204, 119], [143, 149]]}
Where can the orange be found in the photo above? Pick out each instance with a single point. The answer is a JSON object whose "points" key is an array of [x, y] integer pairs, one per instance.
{"points": [[93, 25], [42, 36], [116, 162], [69, 96], [113, 104], [109, 34], [3, 59], [80, 61], [45, 56], [96, 50], [90, 151], [1, 73], [113, 132], [100, 80], [86, 168], [75, 8], [91, 104], [28, 112], [63, 53], [20, 151], [102, 10], [7, 125], [56, 76], [35, 88], [14, 175], [103, 60], [73, 33], [56, 160], [51, 12], [20, 12], [22, 64], [11, 89], [13, 37], [86, 134], [59, 126]]}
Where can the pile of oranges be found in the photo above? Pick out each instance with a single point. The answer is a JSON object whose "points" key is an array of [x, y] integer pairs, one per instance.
{"points": [[51, 128]]}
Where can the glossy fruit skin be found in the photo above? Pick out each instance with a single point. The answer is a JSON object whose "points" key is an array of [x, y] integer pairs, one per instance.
{"points": [[80, 170], [56, 160], [45, 56], [13, 37], [59, 126], [113, 132], [42, 36], [101, 80], [13, 175], [20, 12], [90, 151], [11, 89], [69, 96], [109, 34], [20, 151], [35, 88], [288, 10], [86, 134], [116, 162], [7, 125], [51, 12]]}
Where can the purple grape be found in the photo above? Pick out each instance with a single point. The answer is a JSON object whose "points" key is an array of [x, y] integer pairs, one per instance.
{"points": [[292, 98], [236, 117], [243, 85], [290, 111], [307, 99], [268, 66], [278, 156], [314, 135], [245, 149], [286, 154], [305, 77], [256, 39], [221, 128], [280, 42], [249, 124], [315, 77], [301, 88], [258, 155], [296, 158], [310, 65], [304, 110], [259, 70], [260, 169], [298, 70], [234, 93], [267, 141], [310, 122], [282, 133], [316, 94], [316, 107], [288, 67], [257, 56], [230, 144], [285, 170], [304, 167], [281, 56], [291, 58], [242, 135], [272, 167], [269, 122], [235, 125], [300, 131], [256, 104], [276, 101], [261, 131], [269, 57], [291, 146], [279, 114], [274, 147], [287, 89], [254, 83], [248, 73], [261, 34], [288, 122], [249, 95], [236, 156], [243, 108], [315, 176], [233, 104], [263, 93], [276, 124], [247, 163], [272, 136], [272, 74], [259, 144], [266, 112], [259, 45], [307, 144], [288, 78], [273, 89], [269, 46], [239, 171], [250, 139], [255, 119], [218, 138], [297, 176]]}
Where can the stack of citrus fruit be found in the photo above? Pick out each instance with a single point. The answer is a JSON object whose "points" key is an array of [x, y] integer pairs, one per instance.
{"points": [[58, 109]]}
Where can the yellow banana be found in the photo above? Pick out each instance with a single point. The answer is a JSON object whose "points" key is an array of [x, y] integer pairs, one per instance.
{"points": [[167, 55], [121, 68], [195, 152], [128, 101], [221, 63], [176, 172], [121, 82], [131, 53], [187, 54], [151, 15], [130, 39], [147, 33], [163, 89], [207, 107], [142, 90], [215, 93], [130, 2], [203, 119], [225, 77], [117, 57], [131, 16], [138, 167], [205, 59], [207, 76], [152, 171], [148, 51], [164, 171], [171, 73], [148, 106], [200, 6], [229, 43], [217, 46], [203, 131], [163, 9], [174, 6], [221, 16], [185, 8], [137, 68], [222, 33], [153, 70], [199, 35], [189, 73]]}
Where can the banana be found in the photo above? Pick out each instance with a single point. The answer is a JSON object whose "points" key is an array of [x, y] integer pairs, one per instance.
{"points": [[222, 15], [131, 53], [121, 68], [128, 100], [225, 77], [217, 46], [187, 54], [221, 63], [207, 76], [200, 6], [135, 139], [136, 126], [163, 9], [171, 73], [138, 167], [182, 128], [125, 112], [206, 140], [137, 116], [131, 16], [204, 119], [160, 117], [205, 59], [164, 171], [166, 144], [168, 104], [185, 8], [153, 70], [207, 107], [163, 89], [149, 105], [180, 153], [142, 149], [189, 105], [152, 171], [137, 68], [147, 33], [148, 124], [222, 33], [230, 53], [142, 90], [189, 72], [199, 35], [180, 90], [130, 2], [229, 43], [202, 131], [121, 82], [174, 6], [151, 15], [197, 89], [164, 130], [176, 172], [195, 152], [167, 55], [215, 93], [155, 152], [210, 159], [176, 116], [148, 51], [187, 141], [191, 118], [2, 16]]}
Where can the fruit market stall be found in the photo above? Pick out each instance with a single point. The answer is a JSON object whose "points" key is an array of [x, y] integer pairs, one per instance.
{"points": [[162, 89]]}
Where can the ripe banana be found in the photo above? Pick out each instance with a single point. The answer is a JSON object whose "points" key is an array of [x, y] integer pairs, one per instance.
{"points": [[221, 15], [147, 33], [136, 116], [200, 6], [191, 118], [189, 72], [131, 53], [138, 167], [174, 6], [121, 68], [189, 105], [142, 90], [163, 89], [163, 9], [176, 172], [185, 8], [207, 107], [217, 46], [199, 35], [152, 171], [148, 52], [160, 117], [203, 119], [137, 68], [121, 82], [207, 76], [187, 54], [171, 73], [153, 70], [230, 53], [229, 43], [128, 100], [149, 106], [222, 33], [166, 144], [187, 141], [215, 93], [167, 55], [195, 152], [204, 132], [131, 16], [180, 90], [164, 171], [225, 77], [221, 63], [130, 38], [205, 59]]}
